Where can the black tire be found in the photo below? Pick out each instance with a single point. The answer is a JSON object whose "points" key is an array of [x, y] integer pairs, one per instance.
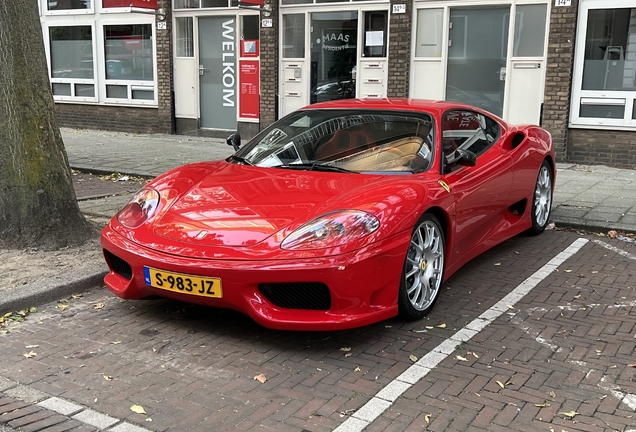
{"points": [[423, 269], [541, 200]]}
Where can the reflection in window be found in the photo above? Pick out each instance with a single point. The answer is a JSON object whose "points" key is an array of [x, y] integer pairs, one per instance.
{"points": [[530, 30], [128, 52], [294, 36], [428, 42], [69, 4], [610, 53], [375, 24], [185, 46], [71, 52]]}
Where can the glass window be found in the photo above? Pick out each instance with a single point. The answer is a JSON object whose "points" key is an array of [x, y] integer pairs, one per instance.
{"points": [[337, 139], [428, 42], [608, 111], [530, 30], [71, 52], [69, 4], [375, 24], [185, 46], [291, 2], [294, 36], [249, 27], [213, 3], [467, 130], [128, 52], [610, 51], [186, 4]]}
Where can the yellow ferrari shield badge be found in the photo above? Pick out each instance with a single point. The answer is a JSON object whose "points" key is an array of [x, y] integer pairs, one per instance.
{"points": [[444, 185]]}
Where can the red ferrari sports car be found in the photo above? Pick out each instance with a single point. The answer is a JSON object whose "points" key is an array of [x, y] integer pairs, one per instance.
{"points": [[338, 215]]}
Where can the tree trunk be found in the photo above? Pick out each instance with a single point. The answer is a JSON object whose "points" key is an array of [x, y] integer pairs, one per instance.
{"points": [[38, 207]]}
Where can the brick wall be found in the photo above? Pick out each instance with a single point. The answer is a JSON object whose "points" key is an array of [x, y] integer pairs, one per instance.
{"points": [[612, 148], [269, 68], [556, 107], [399, 52], [131, 119]]}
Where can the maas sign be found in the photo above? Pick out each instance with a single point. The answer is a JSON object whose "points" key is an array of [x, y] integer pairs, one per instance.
{"points": [[562, 3]]}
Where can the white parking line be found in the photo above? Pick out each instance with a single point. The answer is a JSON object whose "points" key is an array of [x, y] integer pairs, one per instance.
{"points": [[615, 249], [389, 394]]}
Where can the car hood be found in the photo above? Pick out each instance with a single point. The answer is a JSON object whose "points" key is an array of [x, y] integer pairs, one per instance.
{"points": [[241, 206]]}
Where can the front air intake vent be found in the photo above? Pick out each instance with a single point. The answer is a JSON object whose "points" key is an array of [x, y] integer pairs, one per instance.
{"points": [[298, 295], [118, 265]]}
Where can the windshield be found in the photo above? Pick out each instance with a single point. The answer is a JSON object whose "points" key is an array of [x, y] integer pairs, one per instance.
{"points": [[347, 140]]}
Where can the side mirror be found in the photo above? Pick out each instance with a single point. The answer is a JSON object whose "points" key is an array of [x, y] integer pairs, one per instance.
{"points": [[463, 157], [234, 140]]}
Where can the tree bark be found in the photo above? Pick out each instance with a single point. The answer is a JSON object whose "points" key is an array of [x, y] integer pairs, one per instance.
{"points": [[38, 207]]}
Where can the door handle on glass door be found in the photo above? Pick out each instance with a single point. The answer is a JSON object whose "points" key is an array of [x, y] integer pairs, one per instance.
{"points": [[502, 74], [201, 70]]}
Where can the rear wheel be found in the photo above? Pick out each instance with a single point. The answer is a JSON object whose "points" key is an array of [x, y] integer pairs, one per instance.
{"points": [[542, 201], [423, 269]]}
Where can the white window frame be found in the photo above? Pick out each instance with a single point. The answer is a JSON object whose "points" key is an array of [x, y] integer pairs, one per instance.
{"points": [[71, 81], [130, 84], [597, 97], [64, 12]]}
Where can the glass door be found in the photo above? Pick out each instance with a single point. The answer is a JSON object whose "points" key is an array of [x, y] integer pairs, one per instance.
{"points": [[477, 54], [334, 54]]}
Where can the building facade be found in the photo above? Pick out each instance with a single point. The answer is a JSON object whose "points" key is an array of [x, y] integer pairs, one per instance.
{"points": [[208, 67]]}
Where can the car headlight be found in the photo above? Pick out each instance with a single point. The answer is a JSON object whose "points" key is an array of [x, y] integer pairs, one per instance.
{"points": [[331, 230], [141, 208]]}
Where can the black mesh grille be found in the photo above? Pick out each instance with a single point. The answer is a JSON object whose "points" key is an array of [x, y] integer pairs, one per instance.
{"points": [[118, 265], [301, 295]]}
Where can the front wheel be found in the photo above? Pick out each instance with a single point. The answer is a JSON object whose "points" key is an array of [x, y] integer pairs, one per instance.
{"points": [[542, 201], [423, 269]]}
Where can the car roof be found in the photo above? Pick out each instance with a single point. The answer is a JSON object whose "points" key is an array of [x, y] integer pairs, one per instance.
{"points": [[435, 107]]}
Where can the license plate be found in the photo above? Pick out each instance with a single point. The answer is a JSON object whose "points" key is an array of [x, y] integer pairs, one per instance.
{"points": [[183, 283]]}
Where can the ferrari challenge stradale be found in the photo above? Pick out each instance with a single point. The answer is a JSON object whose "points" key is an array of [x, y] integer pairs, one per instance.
{"points": [[338, 215]]}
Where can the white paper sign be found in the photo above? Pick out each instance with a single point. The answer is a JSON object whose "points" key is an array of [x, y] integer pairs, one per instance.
{"points": [[162, 25], [563, 3], [399, 8], [267, 22], [375, 38]]}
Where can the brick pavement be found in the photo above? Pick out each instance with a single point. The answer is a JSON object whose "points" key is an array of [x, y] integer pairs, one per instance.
{"points": [[193, 368]]}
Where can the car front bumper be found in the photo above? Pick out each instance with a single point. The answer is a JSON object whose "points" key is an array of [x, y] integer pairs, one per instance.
{"points": [[363, 285]]}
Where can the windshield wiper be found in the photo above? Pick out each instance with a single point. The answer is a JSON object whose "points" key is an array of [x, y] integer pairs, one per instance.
{"points": [[314, 166], [240, 160]]}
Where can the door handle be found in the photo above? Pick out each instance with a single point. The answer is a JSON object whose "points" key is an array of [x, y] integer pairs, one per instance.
{"points": [[201, 70], [502, 74]]}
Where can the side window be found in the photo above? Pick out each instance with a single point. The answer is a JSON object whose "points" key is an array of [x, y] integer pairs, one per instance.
{"points": [[467, 130]]}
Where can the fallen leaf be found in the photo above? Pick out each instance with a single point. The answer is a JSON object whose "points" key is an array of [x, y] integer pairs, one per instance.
{"points": [[413, 358], [348, 355], [431, 328], [108, 378], [577, 296], [568, 271], [387, 326], [427, 418], [441, 325], [497, 264], [77, 296], [473, 354], [502, 385], [357, 369], [458, 357], [612, 234], [33, 310], [346, 349], [138, 409], [510, 306], [552, 394], [99, 305], [629, 365], [541, 405], [148, 419], [32, 346], [261, 378], [115, 343], [30, 354], [62, 307], [569, 414]]}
